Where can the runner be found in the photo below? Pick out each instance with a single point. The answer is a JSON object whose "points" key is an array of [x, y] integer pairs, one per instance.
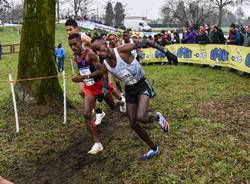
{"points": [[91, 73], [71, 28], [113, 42], [121, 63]]}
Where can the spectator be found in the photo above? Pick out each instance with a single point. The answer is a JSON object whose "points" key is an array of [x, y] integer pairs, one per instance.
{"points": [[202, 36], [160, 41], [207, 27], [247, 37], [176, 38], [242, 31], [156, 40], [60, 57], [190, 36], [150, 38], [216, 35], [166, 38], [234, 35]]}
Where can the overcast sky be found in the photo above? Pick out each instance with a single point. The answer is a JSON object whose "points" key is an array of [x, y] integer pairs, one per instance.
{"points": [[148, 8]]}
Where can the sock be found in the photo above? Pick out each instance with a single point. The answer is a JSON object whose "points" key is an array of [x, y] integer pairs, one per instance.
{"points": [[93, 124], [98, 111]]}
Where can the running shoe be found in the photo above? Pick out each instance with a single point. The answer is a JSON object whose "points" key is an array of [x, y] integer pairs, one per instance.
{"points": [[99, 117], [163, 122], [97, 147], [151, 153], [123, 107]]}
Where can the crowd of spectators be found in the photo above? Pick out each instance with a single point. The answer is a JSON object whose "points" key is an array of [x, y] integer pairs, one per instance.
{"points": [[237, 35]]}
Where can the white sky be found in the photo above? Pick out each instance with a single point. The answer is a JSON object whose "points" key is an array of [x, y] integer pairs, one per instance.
{"points": [[148, 8]]}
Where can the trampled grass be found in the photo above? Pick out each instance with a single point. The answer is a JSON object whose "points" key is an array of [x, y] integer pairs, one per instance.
{"points": [[208, 142]]}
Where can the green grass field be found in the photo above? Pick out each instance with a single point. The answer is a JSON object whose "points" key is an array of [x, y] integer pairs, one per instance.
{"points": [[208, 142]]}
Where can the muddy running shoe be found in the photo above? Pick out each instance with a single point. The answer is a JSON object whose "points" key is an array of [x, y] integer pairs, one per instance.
{"points": [[162, 122], [123, 107], [99, 117], [97, 147], [151, 153]]}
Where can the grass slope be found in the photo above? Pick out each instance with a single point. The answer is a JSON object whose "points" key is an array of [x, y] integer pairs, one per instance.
{"points": [[208, 141]]}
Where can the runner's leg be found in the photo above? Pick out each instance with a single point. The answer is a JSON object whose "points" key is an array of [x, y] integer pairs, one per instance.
{"points": [[89, 103], [131, 109]]}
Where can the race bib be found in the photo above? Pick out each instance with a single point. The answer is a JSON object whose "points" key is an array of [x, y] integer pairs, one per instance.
{"points": [[86, 71], [126, 76]]}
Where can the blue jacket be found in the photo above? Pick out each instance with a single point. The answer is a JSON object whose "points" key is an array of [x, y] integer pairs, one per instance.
{"points": [[234, 37], [60, 52], [189, 37]]}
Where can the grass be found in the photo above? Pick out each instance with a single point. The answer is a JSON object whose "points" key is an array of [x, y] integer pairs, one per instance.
{"points": [[208, 140]]}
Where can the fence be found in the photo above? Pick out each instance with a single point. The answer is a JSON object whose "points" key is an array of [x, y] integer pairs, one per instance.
{"points": [[11, 82], [10, 49]]}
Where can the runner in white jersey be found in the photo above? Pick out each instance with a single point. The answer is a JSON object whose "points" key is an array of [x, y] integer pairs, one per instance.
{"points": [[71, 27], [116, 88], [121, 63]]}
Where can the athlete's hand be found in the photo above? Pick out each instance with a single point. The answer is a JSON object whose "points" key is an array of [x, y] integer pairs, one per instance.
{"points": [[77, 78], [171, 57]]}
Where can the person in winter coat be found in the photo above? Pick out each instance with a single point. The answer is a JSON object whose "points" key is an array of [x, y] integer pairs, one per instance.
{"points": [[247, 37], [190, 36]]}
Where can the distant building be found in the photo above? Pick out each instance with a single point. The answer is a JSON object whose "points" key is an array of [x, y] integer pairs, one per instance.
{"points": [[137, 23]]}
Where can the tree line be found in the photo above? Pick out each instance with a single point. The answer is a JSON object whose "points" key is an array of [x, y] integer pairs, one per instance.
{"points": [[180, 12], [198, 12]]}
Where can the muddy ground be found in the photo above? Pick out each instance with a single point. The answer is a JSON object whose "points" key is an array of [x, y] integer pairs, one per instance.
{"points": [[69, 166]]}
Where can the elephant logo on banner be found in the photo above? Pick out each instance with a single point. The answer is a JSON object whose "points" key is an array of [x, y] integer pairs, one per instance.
{"points": [[184, 52], [220, 54], [248, 60]]}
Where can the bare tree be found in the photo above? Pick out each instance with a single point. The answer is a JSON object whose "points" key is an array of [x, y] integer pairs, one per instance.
{"points": [[80, 6], [194, 12], [222, 4], [4, 10], [240, 15], [59, 3], [15, 13]]}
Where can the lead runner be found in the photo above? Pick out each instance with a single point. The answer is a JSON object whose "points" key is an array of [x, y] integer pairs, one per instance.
{"points": [[138, 91]]}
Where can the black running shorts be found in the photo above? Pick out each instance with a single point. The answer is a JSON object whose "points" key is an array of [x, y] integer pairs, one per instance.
{"points": [[142, 87]]}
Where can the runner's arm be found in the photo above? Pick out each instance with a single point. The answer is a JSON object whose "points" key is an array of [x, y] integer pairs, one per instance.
{"points": [[145, 44], [86, 40], [141, 44], [94, 60]]}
